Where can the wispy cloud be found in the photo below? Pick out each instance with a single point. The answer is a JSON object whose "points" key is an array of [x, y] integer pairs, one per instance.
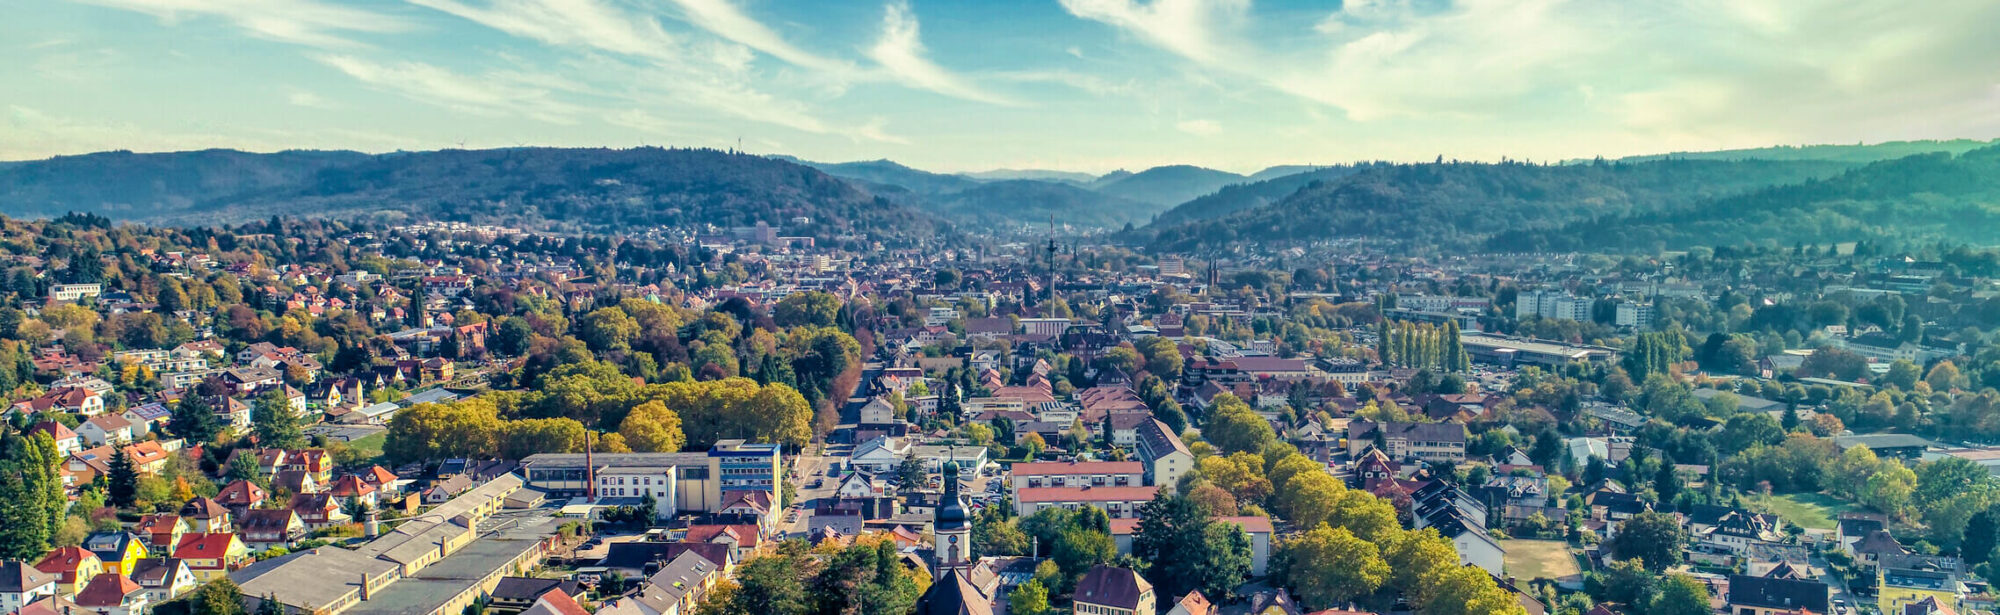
{"points": [[303, 22], [489, 95], [1184, 27], [900, 50], [1199, 128], [725, 19]]}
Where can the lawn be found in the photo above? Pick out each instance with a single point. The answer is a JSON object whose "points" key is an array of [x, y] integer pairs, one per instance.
{"points": [[369, 447], [1813, 511], [1540, 559]]}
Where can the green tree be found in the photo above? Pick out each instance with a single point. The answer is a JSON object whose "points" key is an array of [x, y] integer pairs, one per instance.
{"points": [[123, 479], [274, 422], [1234, 427], [814, 309], [1029, 598], [217, 597], [1653, 538], [1185, 549], [1681, 594], [194, 418]]}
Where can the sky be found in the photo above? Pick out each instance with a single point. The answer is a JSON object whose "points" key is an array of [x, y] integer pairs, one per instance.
{"points": [[965, 85]]}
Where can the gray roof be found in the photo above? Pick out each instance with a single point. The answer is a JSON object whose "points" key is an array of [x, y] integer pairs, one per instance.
{"points": [[1883, 440]]}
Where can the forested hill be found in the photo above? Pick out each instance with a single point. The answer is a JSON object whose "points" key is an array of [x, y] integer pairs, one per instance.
{"points": [[1034, 203], [1238, 197], [1460, 204], [123, 184], [577, 188], [1855, 153], [1167, 186], [1925, 197]]}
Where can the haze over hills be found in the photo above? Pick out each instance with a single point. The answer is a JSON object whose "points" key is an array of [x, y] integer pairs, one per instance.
{"points": [[1169, 185], [1239, 197], [582, 188], [1856, 153]]}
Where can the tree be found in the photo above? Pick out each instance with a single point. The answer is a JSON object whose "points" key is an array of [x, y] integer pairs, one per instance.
{"points": [[518, 439], [1681, 594], [1185, 549], [124, 480], [607, 329], [772, 584], [217, 597], [652, 428], [910, 474], [274, 422], [511, 336], [1329, 566], [1653, 538], [194, 419], [814, 309], [1982, 534], [1889, 490], [1944, 377], [1029, 599], [1234, 427]]}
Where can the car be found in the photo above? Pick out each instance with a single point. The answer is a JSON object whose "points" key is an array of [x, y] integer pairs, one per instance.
{"points": [[817, 483]]}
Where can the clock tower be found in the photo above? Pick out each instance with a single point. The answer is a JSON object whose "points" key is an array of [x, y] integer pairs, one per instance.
{"points": [[951, 526]]}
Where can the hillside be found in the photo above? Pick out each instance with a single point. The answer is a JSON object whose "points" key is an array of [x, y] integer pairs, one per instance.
{"points": [[1459, 204], [1034, 203], [579, 188], [1927, 197], [1240, 197], [1167, 186], [123, 184], [1857, 153], [886, 172]]}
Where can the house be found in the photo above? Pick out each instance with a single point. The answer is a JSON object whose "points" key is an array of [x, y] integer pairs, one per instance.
{"points": [[74, 400], [265, 528], [555, 602], [1910, 579], [1078, 474], [1433, 442], [67, 442], [21, 583], [108, 429], [1165, 455], [680, 585], [73, 567], [1192, 604], [1756, 595], [146, 417], [351, 488], [1877, 546], [113, 594], [1117, 502], [241, 495], [164, 578], [317, 510], [1107, 590], [515, 594], [206, 515], [1258, 529], [211, 555], [118, 550], [161, 530]]}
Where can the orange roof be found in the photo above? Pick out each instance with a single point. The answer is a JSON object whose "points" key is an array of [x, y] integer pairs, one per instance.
{"points": [[1048, 468], [106, 590], [1086, 494], [64, 561]]}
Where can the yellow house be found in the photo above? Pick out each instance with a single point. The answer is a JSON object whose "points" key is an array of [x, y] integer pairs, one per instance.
{"points": [[211, 555], [1908, 579], [118, 550], [73, 567]]}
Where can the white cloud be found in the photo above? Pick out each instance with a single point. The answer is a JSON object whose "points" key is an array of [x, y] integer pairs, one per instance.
{"points": [[578, 23], [1183, 27], [900, 50], [488, 95], [1199, 128], [725, 19], [303, 22]]}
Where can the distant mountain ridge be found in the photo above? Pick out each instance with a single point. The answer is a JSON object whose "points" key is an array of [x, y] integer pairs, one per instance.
{"points": [[1169, 185], [1032, 197], [586, 188], [1859, 153], [1461, 203], [1925, 197]]}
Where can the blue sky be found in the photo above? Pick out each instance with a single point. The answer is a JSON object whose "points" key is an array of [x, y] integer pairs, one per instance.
{"points": [[954, 85]]}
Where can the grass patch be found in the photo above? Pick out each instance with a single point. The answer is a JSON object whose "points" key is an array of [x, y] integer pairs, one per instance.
{"points": [[1813, 511], [369, 447], [1540, 559]]}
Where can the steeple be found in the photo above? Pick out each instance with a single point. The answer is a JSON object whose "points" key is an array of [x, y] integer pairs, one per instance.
{"points": [[950, 525]]}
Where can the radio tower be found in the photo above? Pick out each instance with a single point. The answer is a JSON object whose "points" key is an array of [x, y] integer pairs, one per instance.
{"points": [[1052, 258]]}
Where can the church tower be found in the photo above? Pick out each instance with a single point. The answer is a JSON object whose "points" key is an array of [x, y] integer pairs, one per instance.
{"points": [[951, 526]]}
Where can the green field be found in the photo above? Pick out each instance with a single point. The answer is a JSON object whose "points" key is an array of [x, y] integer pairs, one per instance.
{"points": [[371, 446], [1540, 559], [1813, 511]]}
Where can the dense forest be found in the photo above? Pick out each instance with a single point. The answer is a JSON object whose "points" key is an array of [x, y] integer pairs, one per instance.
{"points": [[1924, 197], [1460, 203], [1257, 193]]}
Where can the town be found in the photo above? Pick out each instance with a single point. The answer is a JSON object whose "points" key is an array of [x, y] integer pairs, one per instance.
{"points": [[351, 418]]}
